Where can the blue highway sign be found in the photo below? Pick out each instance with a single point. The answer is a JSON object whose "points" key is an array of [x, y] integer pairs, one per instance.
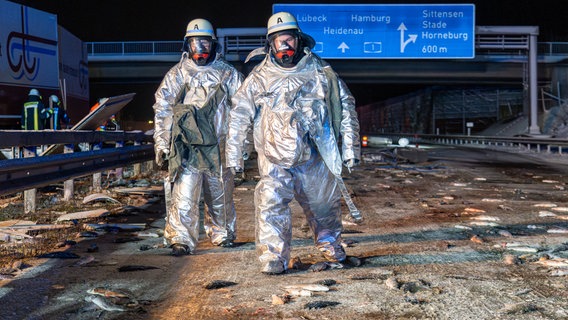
{"points": [[388, 31]]}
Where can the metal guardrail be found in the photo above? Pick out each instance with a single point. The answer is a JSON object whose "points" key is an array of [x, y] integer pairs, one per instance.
{"points": [[118, 149], [236, 47], [556, 147]]}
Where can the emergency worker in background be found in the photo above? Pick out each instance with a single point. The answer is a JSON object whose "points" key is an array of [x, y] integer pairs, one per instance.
{"points": [[191, 118], [298, 107], [34, 113], [57, 116]]}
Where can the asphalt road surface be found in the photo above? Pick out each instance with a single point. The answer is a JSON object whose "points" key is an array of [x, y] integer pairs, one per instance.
{"points": [[467, 234]]}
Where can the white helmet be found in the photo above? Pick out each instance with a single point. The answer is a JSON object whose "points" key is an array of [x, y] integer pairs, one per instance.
{"points": [[54, 98], [282, 21], [200, 27], [34, 92]]}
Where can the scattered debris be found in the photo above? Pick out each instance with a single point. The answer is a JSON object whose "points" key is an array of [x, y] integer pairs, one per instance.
{"points": [[511, 259], [99, 197], [97, 213], [392, 283], [296, 264], [477, 239], [280, 300]]}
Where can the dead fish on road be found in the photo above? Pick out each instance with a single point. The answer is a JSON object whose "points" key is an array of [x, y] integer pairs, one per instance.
{"points": [[504, 233], [485, 218], [320, 304], [321, 266], [103, 303], [106, 293], [299, 293], [327, 282], [135, 268], [484, 224], [546, 214], [309, 287], [85, 260], [554, 263], [59, 255], [216, 284], [544, 205], [557, 230]]}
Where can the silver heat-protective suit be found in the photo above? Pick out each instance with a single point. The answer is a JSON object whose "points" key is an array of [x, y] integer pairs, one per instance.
{"points": [[294, 139], [185, 92]]}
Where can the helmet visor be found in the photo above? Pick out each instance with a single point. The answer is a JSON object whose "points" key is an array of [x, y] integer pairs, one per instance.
{"points": [[285, 40], [200, 44], [200, 49]]}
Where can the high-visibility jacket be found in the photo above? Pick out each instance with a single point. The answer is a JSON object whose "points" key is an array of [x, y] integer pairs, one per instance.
{"points": [[34, 114], [57, 117]]}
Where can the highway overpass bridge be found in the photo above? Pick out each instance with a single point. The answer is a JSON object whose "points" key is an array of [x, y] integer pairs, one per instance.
{"points": [[504, 56]]}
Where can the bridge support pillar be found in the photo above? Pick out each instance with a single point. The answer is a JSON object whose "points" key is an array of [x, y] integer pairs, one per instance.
{"points": [[533, 126]]}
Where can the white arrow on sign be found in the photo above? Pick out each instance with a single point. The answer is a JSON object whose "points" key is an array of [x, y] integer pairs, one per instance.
{"points": [[343, 46], [411, 37]]}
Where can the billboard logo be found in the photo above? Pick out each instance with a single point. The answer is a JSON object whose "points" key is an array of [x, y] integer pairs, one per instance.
{"points": [[24, 51]]}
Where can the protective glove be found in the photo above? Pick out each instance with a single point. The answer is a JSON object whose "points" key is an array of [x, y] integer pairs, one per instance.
{"points": [[235, 170], [162, 158], [350, 163]]}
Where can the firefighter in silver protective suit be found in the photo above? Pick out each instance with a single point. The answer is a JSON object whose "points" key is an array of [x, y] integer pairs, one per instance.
{"points": [[191, 121], [299, 108]]}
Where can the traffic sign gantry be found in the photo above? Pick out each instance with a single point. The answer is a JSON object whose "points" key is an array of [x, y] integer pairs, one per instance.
{"points": [[388, 31]]}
